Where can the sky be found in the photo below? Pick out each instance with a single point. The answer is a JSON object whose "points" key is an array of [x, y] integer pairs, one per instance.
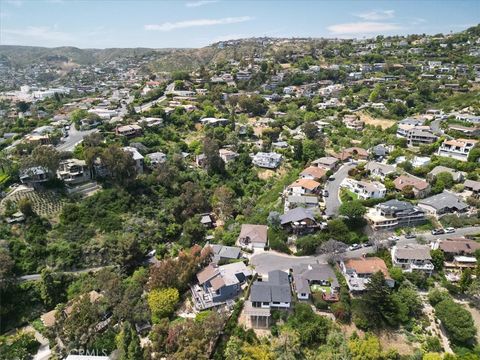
{"points": [[197, 23]]}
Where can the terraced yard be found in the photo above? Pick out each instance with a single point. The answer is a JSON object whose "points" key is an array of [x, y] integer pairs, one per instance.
{"points": [[44, 203]]}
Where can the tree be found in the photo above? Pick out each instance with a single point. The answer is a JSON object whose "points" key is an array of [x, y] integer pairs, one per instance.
{"points": [[378, 305], [25, 206], [352, 209], [213, 162], [7, 264], [466, 279], [23, 106], [119, 163], [286, 345], [432, 356], [338, 230], [458, 321], [223, 201], [128, 343], [51, 288], [407, 301], [162, 302], [438, 258], [193, 232], [310, 130], [44, 156], [368, 348]]}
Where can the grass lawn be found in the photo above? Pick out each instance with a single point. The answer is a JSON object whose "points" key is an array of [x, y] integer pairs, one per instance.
{"points": [[320, 288], [347, 195], [3, 178]]}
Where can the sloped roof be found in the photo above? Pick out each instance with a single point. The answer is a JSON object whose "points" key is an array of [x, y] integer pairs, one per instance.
{"points": [[256, 233], [444, 200], [297, 214], [368, 265]]}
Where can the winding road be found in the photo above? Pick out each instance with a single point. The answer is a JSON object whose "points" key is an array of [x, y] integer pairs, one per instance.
{"points": [[272, 260], [332, 202]]}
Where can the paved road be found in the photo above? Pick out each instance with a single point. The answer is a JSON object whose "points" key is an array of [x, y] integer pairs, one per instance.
{"points": [[332, 202], [271, 260], [74, 137], [33, 277], [170, 88]]}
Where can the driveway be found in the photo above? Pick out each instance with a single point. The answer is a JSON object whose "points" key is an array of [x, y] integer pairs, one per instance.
{"points": [[332, 202]]}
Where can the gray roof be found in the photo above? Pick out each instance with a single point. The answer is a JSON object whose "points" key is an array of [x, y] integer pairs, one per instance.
{"points": [[444, 200], [305, 273], [297, 214], [396, 205], [224, 252], [441, 169], [276, 289], [300, 199], [471, 184], [413, 252]]}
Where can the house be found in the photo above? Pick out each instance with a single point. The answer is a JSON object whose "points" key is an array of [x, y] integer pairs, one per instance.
{"points": [[213, 122], [207, 220], [412, 257], [129, 131], [305, 201], [380, 170], [308, 277], [137, 157], [456, 246], [227, 155], [394, 213], [457, 176], [314, 173], [73, 171], [200, 160], [219, 284], [457, 149], [156, 158], [419, 187], [34, 175], [266, 295], [253, 236], [365, 189], [417, 137], [468, 131], [299, 220], [222, 253], [270, 160], [352, 153], [380, 151], [303, 187], [327, 163], [357, 272], [473, 186], [443, 203], [353, 122]]}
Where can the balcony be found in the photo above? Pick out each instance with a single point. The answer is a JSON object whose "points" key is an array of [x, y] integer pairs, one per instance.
{"points": [[203, 299]]}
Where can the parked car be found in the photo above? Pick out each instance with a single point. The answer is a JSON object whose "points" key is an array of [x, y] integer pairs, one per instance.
{"points": [[449, 230], [367, 244], [393, 238], [410, 236], [354, 247], [331, 178], [325, 193], [438, 231]]}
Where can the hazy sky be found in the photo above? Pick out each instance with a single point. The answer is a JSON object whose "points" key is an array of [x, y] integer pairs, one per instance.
{"points": [[196, 23]]}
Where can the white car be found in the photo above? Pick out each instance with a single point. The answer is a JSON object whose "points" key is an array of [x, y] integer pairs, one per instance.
{"points": [[449, 230], [354, 247], [393, 238]]}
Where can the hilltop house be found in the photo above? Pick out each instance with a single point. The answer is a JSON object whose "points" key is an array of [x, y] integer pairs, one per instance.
{"points": [[303, 187], [314, 173], [73, 171], [223, 253], [380, 170], [419, 187], [305, 201], [457, 176], [473, 186], [156, 158], [299, 220], [137, 157], [308, 277], [219, 284], [443, 203], [227, 155], [266, 295], [253, 236], [326, 162], [365, 189], [34, 175], [357, 272], [394, 213], [129, 131], [270, 160], [412, 258], [458, 149]]}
